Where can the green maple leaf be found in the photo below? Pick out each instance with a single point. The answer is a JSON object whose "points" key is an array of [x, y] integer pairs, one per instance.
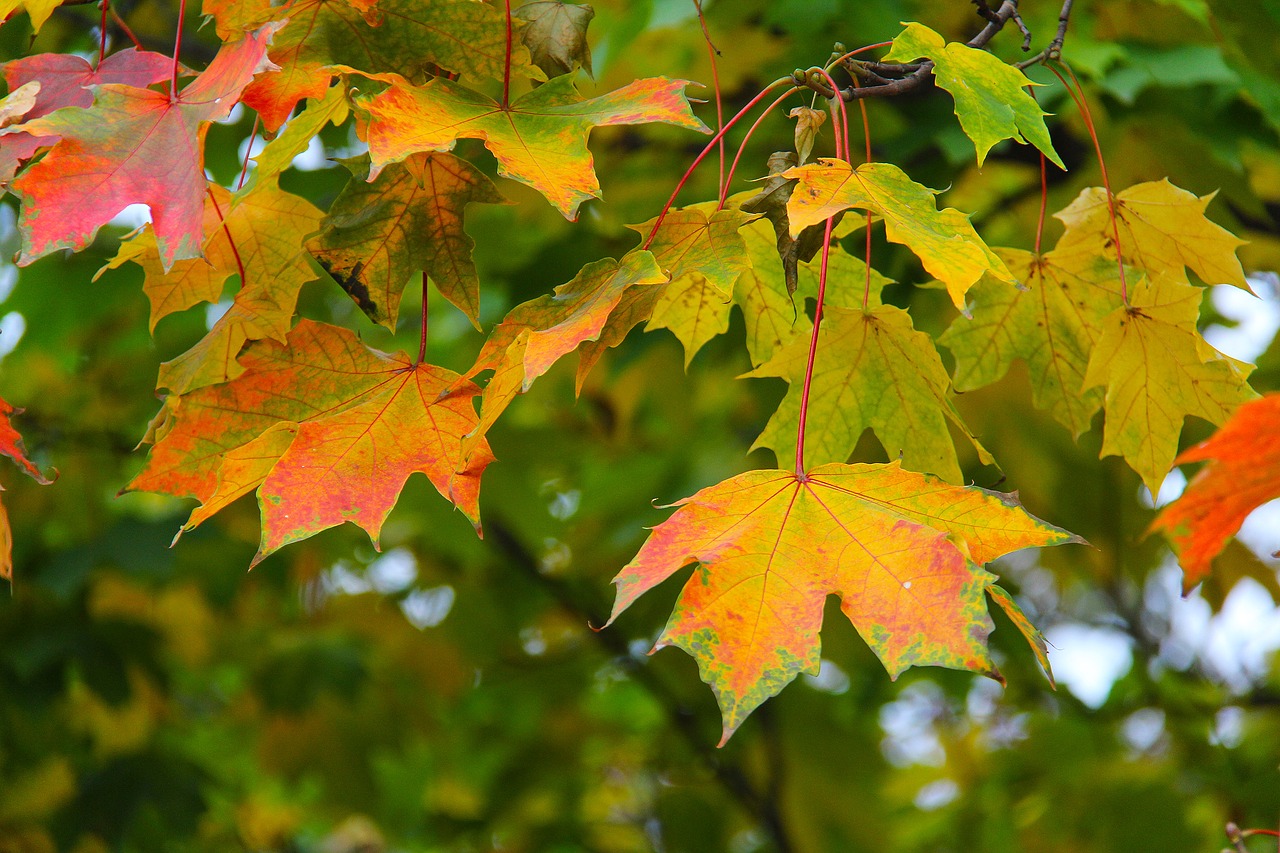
{"points": [[1157, 369], [540, 139], [873, 371], [991, 97], [556, 35], [409, 218], [945, 242]]}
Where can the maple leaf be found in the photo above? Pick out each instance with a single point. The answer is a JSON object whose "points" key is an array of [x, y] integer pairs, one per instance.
{"points": [[539, 140], [991, 98], [38, 10], [945, 242], [1157, 369], [409, 218], [409, 37], [359, 422], [63, 80], [257, 233], [536, 334], [768, 309], [132, 146], [11, 446], [233, 17], [1163, 230], [1241, 473], [1051, 322], [872, 370], [903, 551], [556, 35]]}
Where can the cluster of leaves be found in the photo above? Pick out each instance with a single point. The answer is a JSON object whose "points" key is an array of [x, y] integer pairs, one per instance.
{"points": [[284, 394], [327, 430]]}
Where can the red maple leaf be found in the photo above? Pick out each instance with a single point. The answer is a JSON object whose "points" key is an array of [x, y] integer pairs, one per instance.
{"points": [[132, 146]]}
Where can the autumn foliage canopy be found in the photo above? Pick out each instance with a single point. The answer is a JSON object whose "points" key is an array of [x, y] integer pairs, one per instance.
{"points": [[451, 106]]}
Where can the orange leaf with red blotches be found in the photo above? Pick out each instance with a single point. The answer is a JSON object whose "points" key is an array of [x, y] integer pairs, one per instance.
{"points": [[132, 146], [1241, 474], [326, 429], [903, 551]]}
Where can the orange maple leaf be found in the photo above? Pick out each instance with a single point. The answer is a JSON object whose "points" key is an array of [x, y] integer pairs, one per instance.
{"points": [[903, 551], [327, 430], [1241, 474], [132, 146]]}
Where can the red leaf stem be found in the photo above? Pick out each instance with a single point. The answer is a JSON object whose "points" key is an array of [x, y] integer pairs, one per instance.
{"points": [[102, 32], [657, 223], [506, 63], [813, 353], [715, 83], [724, 189], [231, 241], [1082, 104], [177, 49], [244, 167]]}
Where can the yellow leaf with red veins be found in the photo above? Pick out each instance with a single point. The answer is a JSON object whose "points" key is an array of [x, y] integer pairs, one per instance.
{"points": [[874, 371], [945, 242], [358, 424], [1051, 322], [702, 251], [903, 551], [1157, 369], [540, 139], [1241, 473], [266, 227], [1163, 230]]}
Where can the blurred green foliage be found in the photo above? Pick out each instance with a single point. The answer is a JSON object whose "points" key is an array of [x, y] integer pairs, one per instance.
{"points": [[449, 693]]}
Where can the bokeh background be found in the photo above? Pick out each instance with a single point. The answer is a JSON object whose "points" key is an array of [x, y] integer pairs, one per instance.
{"points": [[447, 694]]}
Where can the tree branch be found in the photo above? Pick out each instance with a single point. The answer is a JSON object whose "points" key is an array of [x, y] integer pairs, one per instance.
{"points": [[886, 80], [762, 805]]}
